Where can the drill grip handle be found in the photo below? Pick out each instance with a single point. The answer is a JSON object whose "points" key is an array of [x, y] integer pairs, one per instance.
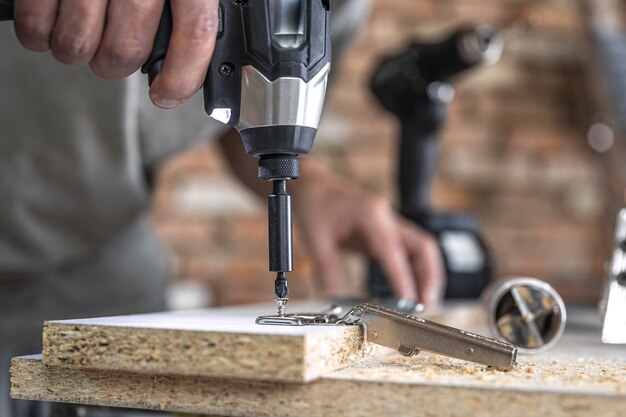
{"points": [[154, 64], [419, 153], [6, 10]]}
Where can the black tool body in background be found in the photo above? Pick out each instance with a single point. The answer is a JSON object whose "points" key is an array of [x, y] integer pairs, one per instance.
{"points": [[414, 86]]}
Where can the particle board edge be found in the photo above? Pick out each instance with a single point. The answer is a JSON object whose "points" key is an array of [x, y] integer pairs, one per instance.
{"points": [[179, 352], [267, 357], [351, 398]]}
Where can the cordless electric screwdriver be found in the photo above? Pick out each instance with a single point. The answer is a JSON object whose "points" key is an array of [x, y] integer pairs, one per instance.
{"points": [[415, 86], [268, 79]]}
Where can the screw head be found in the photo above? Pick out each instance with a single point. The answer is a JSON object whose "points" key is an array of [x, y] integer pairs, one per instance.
{"points": [[226, 70], [406, 350], [373, 334]]}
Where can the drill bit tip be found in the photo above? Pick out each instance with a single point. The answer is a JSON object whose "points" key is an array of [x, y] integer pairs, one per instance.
{"points": [[281, 289], [282, 306]]}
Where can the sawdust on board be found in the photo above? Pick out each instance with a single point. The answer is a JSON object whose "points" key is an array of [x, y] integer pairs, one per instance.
{"points": [[589, 373]]}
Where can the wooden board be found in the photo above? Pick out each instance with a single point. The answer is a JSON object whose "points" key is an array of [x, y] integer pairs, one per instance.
{"points": [[581, 376], [393, 386], [222, 343]]}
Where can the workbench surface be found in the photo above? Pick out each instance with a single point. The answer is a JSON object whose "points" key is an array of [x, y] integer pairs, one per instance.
{"points": [[581, 376]]}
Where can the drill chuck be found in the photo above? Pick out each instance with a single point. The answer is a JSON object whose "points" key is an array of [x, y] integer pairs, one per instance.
{"points": [[279, 167]]}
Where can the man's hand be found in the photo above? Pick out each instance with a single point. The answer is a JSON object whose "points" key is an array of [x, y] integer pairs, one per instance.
{"points": [[335, 215], [115, 38]]}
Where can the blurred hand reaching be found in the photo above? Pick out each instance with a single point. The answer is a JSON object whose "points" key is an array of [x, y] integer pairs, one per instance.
{"points": [[335, 215]]}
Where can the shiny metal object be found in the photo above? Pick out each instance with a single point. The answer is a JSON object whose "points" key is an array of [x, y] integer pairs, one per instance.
{"points": [[409, 334], [263, 101], [404, 306], [441, 92], [281, 303], [222, 115], [342, 306], [527, 313], [337, 310], [613, 304], [288, 22], [483, 45], [303, 319]]}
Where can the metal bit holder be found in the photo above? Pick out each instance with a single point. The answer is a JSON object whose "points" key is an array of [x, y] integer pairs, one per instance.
{"points": [[409, 335], [279, 169]]}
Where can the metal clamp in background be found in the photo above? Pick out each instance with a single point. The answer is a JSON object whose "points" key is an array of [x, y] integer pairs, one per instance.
{"points": [[526, 312]]}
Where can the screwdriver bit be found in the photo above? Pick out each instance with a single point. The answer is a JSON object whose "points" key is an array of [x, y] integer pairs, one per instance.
{"points": [[281, 289], [280, 241]]}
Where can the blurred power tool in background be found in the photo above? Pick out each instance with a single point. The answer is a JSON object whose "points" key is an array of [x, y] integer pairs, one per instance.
{"points": [[268, 79], [414, 86]]}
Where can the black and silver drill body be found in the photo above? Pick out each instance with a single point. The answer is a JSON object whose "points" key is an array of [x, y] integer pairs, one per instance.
{"points": [[414, 86], [267, 78]]}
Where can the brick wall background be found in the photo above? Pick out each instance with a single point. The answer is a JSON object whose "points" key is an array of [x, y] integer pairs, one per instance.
{"points": [[516, 152]]}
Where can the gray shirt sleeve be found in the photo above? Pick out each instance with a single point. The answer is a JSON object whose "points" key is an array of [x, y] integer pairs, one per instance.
{"points": [[71, 167], [166, 132]]}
